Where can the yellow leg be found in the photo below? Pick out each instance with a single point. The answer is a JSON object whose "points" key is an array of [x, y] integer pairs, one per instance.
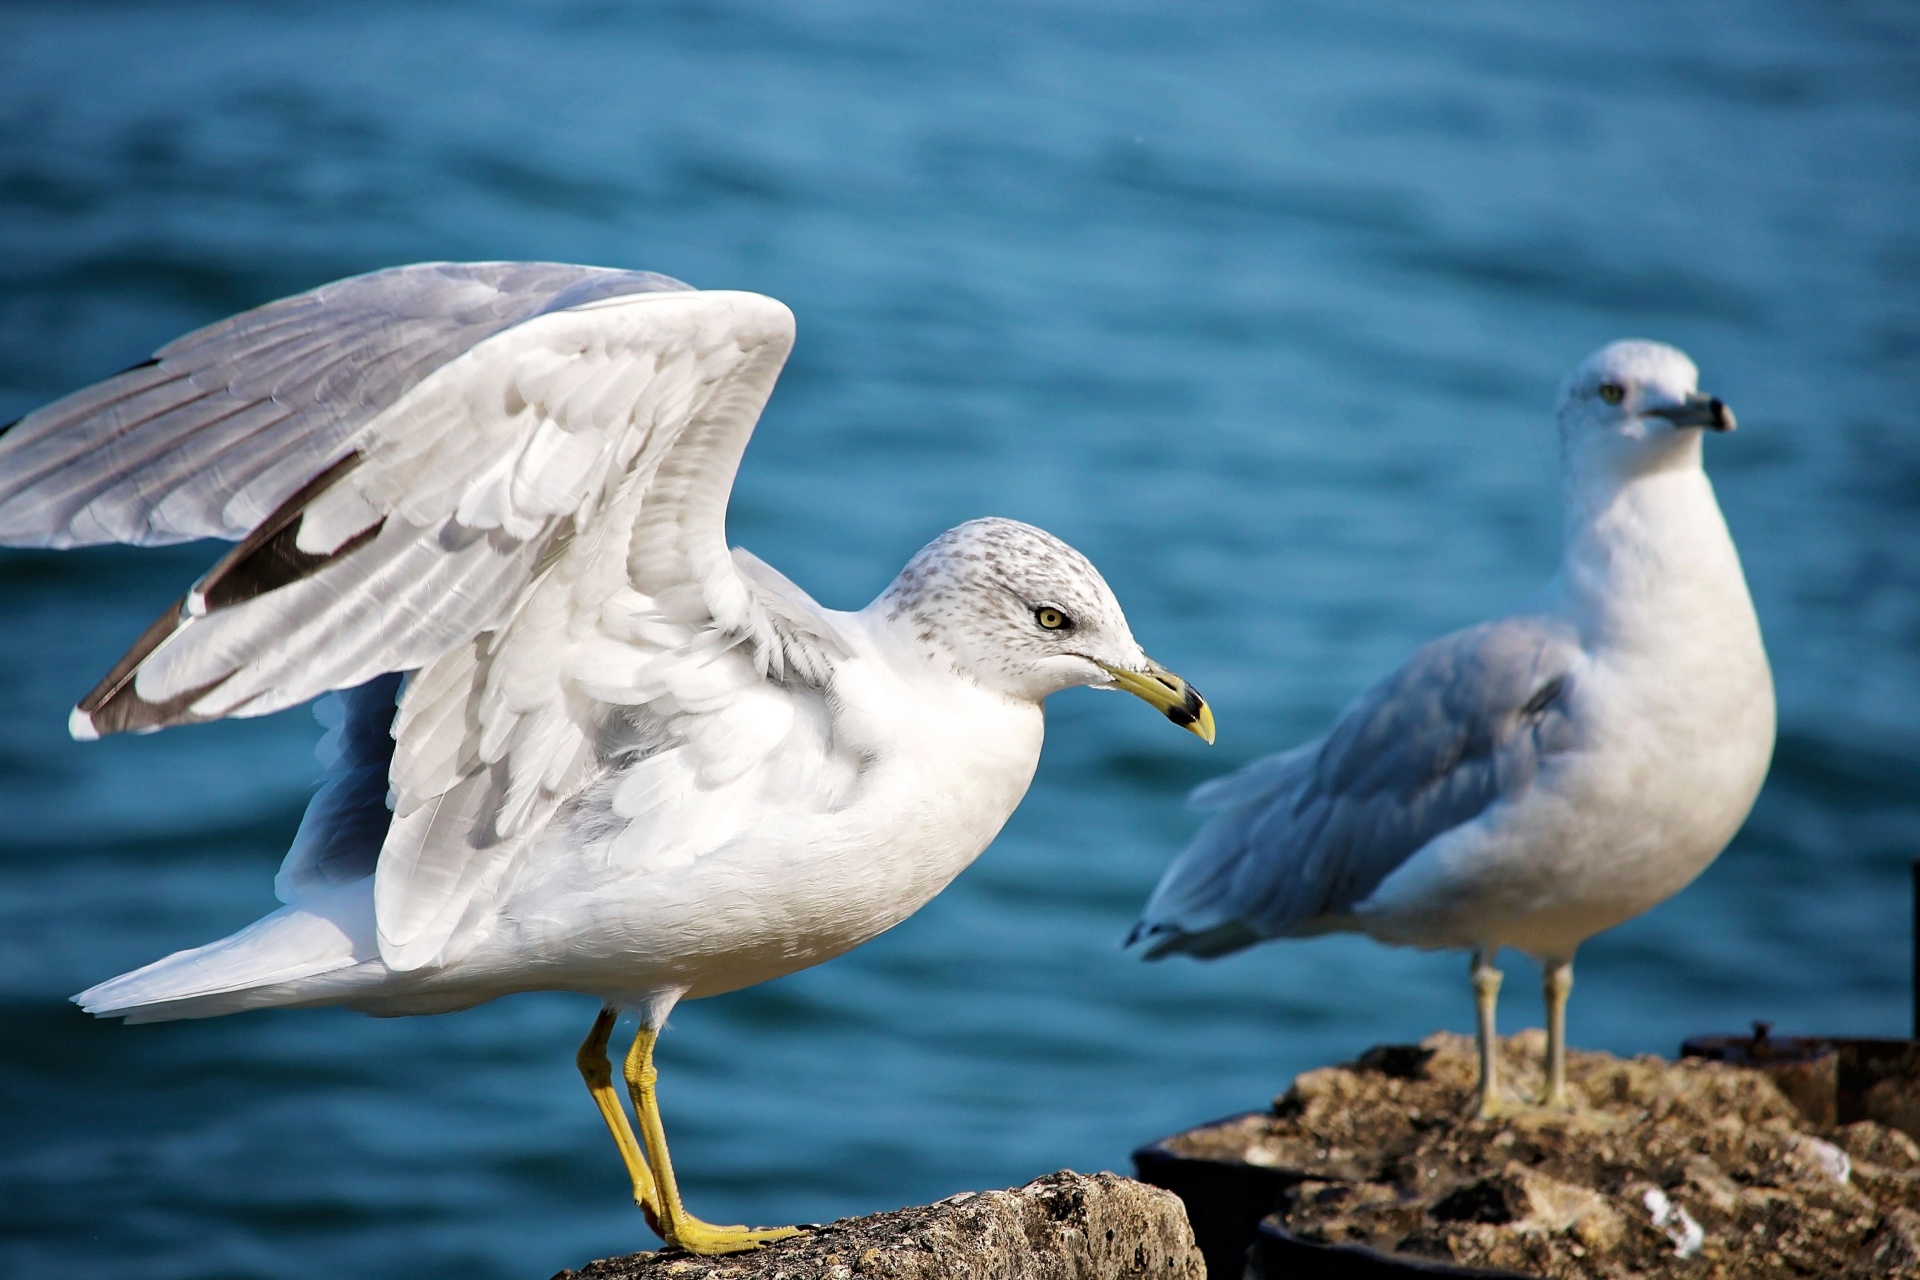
{"points": [[597, 1071], [680, 1228], [1486, 996], [1558, 981]]}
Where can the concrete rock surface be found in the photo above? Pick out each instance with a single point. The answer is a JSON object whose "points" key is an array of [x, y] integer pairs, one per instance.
{"points": [[1065, 1226], [1667, 1169]]}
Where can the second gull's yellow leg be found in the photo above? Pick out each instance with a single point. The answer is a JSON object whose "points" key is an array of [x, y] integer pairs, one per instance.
{"points": [[1558, 982], [1486, 997], [680, 1227], [597, 1071]]}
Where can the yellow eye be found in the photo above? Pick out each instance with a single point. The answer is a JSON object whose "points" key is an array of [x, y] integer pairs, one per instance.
{"points": [[1612, 392], [1050, 618]]}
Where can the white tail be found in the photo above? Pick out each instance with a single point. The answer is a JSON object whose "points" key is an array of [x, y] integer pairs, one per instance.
{"points": [[268, 963]]}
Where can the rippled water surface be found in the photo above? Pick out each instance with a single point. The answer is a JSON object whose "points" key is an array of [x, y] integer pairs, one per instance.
{"points": [[1262, 306]]}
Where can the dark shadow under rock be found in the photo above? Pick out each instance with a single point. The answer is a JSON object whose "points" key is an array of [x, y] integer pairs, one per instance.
{"points": [[1065, 1226]]}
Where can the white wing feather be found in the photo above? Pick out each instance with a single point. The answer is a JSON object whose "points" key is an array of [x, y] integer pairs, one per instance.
{"points": [[502, 732]]}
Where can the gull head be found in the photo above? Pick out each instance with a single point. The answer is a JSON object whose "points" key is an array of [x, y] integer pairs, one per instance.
{"points": [[1021, 613], [1635, 406]]}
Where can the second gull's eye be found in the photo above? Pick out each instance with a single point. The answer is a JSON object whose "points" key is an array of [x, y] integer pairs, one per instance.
{"points": [[1612, 392]]}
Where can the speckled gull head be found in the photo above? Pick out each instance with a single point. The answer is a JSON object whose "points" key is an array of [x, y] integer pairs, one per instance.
{"points": [[1633, 407], [1019, 612]]}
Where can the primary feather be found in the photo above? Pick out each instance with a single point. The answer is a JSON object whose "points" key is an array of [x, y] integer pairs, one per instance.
{"points": [[221, 426]]}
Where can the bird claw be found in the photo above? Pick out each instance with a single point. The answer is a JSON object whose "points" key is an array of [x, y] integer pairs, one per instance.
{"points": [[705, 1238], [1496, 1108]]}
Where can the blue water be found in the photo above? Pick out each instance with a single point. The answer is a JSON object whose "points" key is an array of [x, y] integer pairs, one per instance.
{"points": [[1261, 306]]}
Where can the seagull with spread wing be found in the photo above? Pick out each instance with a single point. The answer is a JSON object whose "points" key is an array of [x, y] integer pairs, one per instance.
{"points": [[576, 742], [1531, 781]]}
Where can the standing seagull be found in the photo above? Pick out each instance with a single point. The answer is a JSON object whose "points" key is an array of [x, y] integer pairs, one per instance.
{"points": [[580, 745], [1533, 780]]}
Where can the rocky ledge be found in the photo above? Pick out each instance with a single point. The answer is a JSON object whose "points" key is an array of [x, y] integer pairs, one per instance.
{"points": [[1669, 1169], [1065, 1226]]}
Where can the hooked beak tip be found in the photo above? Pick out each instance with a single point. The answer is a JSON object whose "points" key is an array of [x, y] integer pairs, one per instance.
{"points": [[1171, 696], [1193, 714]]}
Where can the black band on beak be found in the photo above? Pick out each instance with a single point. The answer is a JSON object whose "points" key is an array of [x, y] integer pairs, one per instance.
{"points": [[1700, 410], [1186, 712]]}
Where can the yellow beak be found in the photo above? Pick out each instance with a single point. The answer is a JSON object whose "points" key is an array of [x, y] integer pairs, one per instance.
{"points": [[1168, 694]]}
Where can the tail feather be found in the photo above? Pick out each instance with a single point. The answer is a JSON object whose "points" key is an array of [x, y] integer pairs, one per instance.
{"points": [[1203, 944], [1201, 906], [267, 963]]}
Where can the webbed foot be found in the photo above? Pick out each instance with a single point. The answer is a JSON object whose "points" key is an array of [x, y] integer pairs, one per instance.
{"points": [[689, 1233]]}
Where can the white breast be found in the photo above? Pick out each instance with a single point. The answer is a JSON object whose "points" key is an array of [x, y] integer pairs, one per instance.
{"points": [[1674, 715], [1677, 709], [726, 888]]}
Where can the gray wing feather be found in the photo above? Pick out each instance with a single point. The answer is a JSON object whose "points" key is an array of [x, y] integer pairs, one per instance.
{"points": [[1298, 839], [346, 821], [216, 431]]}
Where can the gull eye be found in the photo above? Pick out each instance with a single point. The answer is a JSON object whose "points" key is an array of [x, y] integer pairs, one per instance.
{"points": [[1612, 392], [1051, 619]]}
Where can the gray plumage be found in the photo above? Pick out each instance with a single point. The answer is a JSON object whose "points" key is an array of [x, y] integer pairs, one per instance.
{"points": [[1297, 839], [214, 433]]}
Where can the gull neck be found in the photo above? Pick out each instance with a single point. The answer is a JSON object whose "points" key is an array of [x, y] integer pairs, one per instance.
{"points": [[1647, 551]]}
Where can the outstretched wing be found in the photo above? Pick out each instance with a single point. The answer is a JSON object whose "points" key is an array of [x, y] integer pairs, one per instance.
{"points": [[535, 526], [441, 507], [1298, 839], [219, 428]]}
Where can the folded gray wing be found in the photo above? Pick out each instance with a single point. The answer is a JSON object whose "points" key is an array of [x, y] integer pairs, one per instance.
{"points": [[221, 427], [1298, 839]]}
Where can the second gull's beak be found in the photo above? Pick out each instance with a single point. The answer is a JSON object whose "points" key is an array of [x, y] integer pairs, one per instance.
{"points": [[1699, 410], [1168, 694]]}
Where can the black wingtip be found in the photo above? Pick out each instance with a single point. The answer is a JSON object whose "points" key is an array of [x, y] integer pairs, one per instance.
{"points": [[115, 705], [270, 557], [1170, 939], [1203, 944]]}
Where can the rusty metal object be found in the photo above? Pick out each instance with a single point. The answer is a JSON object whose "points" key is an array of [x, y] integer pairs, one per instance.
{"points": [[1833, 1080]]}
